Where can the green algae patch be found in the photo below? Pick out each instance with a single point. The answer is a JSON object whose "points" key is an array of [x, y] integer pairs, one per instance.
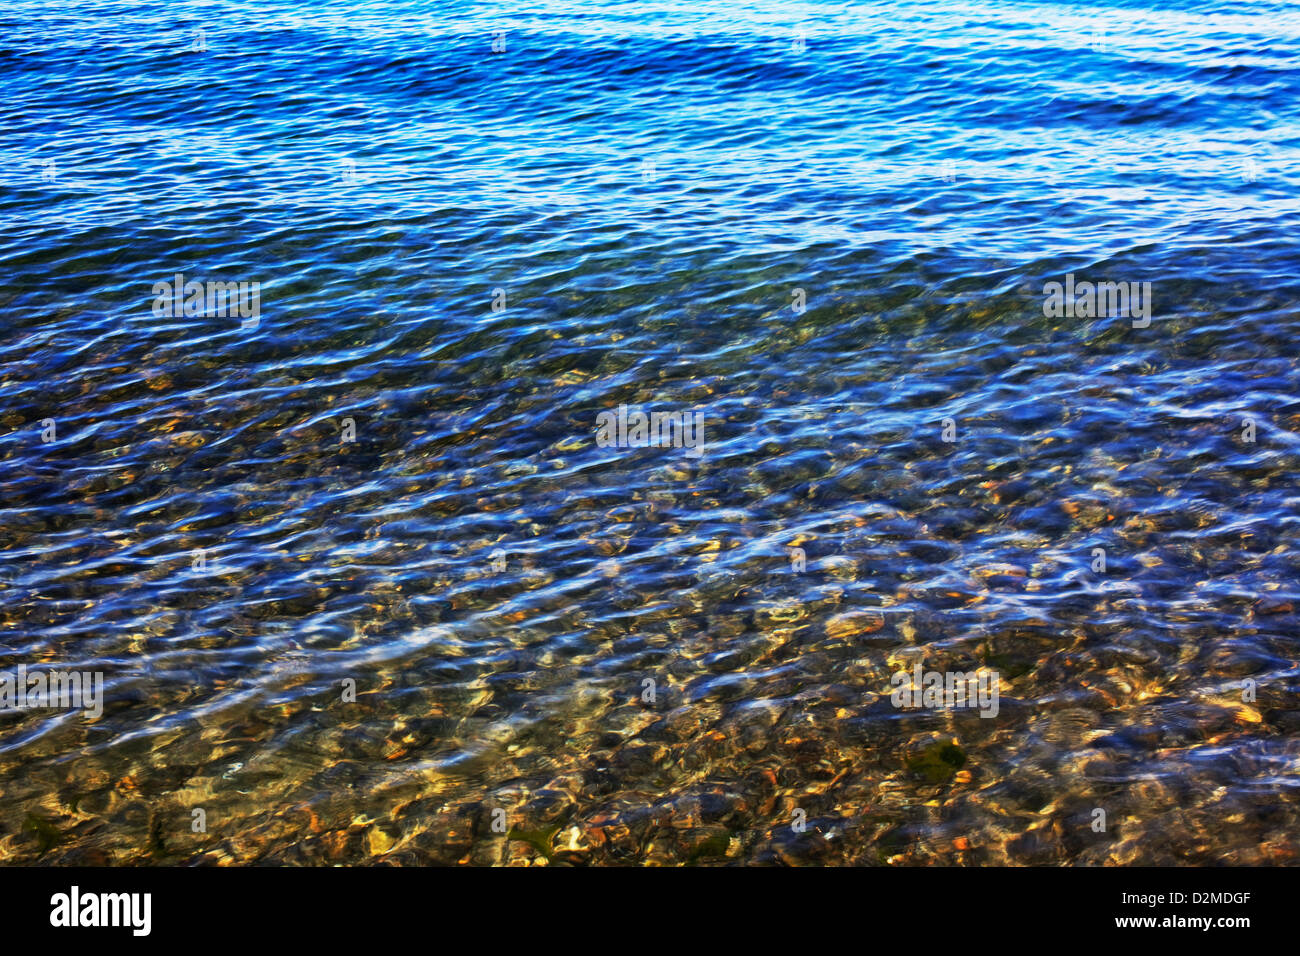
{"points": [[539, 840], [937, 763], [47, 834]]}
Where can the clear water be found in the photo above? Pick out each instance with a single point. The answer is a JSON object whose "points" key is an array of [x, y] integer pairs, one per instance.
{"points": [[827, 229]]}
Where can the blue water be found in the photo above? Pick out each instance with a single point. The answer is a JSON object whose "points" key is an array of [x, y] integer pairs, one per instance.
{"points": [[826, 229]]}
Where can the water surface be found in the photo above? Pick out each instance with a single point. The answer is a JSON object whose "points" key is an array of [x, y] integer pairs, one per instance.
{"points": [[825, 227]]}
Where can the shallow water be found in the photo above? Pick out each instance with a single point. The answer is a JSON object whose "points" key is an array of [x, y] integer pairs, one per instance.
{"points": [[827, 229]]}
